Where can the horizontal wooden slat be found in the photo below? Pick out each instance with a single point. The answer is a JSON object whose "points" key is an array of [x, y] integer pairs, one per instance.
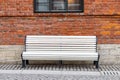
{"points": [[81, 58], [61, 41], [61, 53], [85, 50], [59, 47], [73, 42], [59, 56], [56, 45], [64, 43], [32, 38], [40, 36]]}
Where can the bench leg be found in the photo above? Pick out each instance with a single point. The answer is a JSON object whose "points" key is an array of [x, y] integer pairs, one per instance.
{"points": [[27, 62], [97, 64], [60, 63], [23, 63], [94, 62]]}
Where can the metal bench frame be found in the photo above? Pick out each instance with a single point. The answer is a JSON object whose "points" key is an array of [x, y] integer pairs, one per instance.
{"points": [[60, 48]]}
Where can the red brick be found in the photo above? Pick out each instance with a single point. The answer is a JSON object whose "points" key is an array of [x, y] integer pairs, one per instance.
{"points": [[117, 33], [100, 18]]}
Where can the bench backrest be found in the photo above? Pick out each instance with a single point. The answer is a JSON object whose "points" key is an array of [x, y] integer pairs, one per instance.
{"points": [[61, 43]]}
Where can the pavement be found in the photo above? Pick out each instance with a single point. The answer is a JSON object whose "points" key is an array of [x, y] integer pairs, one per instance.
{"points": [[55, 72]]}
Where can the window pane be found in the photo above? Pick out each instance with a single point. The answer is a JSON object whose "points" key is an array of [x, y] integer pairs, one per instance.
{"points": [[73, 4], [42, 1], [43, 8], [42, 5], [58, 5]]}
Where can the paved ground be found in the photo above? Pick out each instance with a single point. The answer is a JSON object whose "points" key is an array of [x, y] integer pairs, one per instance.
{"points": [[55, 77], [65, 72]]}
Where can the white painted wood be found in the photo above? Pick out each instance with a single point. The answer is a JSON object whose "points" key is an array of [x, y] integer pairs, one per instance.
{"points": [[91, 45], [55, 49], [42, 36], [60, 48], [59, 56], [68, 58], [60, 53]]}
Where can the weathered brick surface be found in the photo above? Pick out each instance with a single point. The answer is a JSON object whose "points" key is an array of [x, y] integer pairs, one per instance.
{"points": [[100, 18], [14, 29], [25, 8]]}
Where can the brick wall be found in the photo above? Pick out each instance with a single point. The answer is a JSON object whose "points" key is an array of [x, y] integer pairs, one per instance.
{"points": [[92, 7], [100, 18], [14, 29]]}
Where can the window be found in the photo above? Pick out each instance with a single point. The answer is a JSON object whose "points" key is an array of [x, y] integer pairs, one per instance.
{"points": [[58, 6]]}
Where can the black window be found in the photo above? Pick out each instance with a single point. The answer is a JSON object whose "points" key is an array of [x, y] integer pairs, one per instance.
{"points": [[58, 5]]}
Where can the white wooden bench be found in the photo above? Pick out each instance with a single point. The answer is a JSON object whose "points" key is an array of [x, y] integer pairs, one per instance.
{"points": [[60, 48]]}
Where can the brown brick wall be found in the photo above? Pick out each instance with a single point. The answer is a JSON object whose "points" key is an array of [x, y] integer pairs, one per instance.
{"points": [[100, 18], [91, 7]]}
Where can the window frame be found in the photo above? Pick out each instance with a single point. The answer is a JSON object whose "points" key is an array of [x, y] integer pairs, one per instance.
{"points": [[66, 6]]}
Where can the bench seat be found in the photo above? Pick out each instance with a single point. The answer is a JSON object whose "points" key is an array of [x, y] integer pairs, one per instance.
{"points": [[62, 55]]}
